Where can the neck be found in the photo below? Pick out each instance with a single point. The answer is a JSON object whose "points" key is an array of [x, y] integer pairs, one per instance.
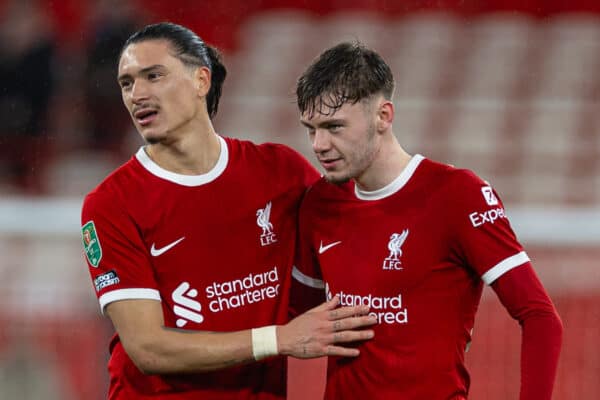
{"points": [[389, 161], [193, 153]]}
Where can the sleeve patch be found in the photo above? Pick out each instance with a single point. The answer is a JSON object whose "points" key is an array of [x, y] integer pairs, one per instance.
{"points": [[91, 244], [489, 196], [105, 280]]}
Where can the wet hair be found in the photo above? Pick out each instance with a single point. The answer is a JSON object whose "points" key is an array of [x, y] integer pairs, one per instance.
{"points": [[190, 49], [345, 73]]}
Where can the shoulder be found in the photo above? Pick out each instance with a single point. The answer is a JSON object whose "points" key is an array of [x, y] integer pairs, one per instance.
{"points": [[323, 191], [113, 187], [266, 150], [462, 188], [277, 159], [283, 153], [447, 177]]}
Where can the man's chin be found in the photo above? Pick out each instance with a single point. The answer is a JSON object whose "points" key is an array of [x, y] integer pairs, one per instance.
{"points": [[336, 180], [153, 138]]}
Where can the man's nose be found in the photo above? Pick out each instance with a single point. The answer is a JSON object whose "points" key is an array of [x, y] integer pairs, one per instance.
{"points": [[139, 91], [320, 141]]}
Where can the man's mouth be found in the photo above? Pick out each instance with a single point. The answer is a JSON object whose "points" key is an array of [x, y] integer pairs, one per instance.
{"points": [[145, 116], [329, 163]]}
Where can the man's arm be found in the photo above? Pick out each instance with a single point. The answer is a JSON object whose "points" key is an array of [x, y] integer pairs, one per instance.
{"points": [[523, 295], [155, 349]]}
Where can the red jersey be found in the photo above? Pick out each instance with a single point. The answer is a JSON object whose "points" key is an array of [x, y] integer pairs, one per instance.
{"points": [[417, 252], [215, 249]]}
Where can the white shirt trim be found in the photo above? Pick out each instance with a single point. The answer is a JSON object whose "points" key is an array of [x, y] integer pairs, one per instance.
{"points": [[504, 266], [186, 180], [307, 280], [127, 294], [393, 186]]}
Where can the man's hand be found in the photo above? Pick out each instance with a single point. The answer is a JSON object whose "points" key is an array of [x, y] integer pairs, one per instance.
{"points": [[316, 332]]}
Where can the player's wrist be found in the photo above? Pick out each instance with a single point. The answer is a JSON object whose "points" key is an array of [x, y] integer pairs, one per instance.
{"points": [[264, 342], [283, 348]]}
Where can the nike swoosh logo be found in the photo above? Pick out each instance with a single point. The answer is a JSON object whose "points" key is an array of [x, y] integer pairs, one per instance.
{"points": [[323, 249], [157, 252]]}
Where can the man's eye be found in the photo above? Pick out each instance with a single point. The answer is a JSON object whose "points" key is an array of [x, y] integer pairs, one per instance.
{"points": [[125, 84], [153, 76]]}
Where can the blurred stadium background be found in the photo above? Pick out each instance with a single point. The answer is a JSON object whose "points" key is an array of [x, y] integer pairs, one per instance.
{"points": [[508, 88]]}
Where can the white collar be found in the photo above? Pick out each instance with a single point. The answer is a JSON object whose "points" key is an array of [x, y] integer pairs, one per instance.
{"points": [[186, 180], [393, 186]]}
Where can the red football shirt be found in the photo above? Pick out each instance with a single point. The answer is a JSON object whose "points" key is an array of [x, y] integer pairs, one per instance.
{"points": [[418, 252], [215, 249]]}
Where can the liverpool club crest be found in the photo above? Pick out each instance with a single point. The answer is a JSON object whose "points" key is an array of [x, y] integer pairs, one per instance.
{"points": [[262, 220], [394, 246]]}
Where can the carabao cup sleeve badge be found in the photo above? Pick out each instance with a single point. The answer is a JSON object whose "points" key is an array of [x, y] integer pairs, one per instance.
{"points": [[91, 244]]}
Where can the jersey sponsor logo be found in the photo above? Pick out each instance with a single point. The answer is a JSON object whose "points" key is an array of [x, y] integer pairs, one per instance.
{"points": [[224, 296], [185, 306], [91, 244], [392, 262], [480, 218], [157, 252], [323, 249], [263, 215], [387, 309], [107, 279], [253, 288], [489, 196]]}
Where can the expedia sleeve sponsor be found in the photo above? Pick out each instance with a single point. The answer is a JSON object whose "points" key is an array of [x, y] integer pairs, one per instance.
{"points": [[107, 279], [479, 218]]}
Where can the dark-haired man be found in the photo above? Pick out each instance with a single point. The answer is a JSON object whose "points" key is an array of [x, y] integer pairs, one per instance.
{"points": [[413, 239], [190, 243]]}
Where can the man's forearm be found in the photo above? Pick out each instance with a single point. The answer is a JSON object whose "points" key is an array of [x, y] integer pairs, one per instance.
{"points": [[169, 351], [155, 349], [526, 300], [540, 349]]}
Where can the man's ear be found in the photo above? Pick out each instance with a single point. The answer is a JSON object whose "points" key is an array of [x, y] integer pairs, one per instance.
{"points": [[385, 115], [202, 77]]}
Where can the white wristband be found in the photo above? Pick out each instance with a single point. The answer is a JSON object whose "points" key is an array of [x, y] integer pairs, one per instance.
{"points": [[264, 342]]}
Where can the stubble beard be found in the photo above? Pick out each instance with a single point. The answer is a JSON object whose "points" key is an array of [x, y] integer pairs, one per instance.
{"points": [[153, 140], [362, 163], [337, 180]]}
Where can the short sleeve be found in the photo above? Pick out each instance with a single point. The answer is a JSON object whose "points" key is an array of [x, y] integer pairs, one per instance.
{"points": [[308, 287], [483, 237], [306, 269], [115, 253]]}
